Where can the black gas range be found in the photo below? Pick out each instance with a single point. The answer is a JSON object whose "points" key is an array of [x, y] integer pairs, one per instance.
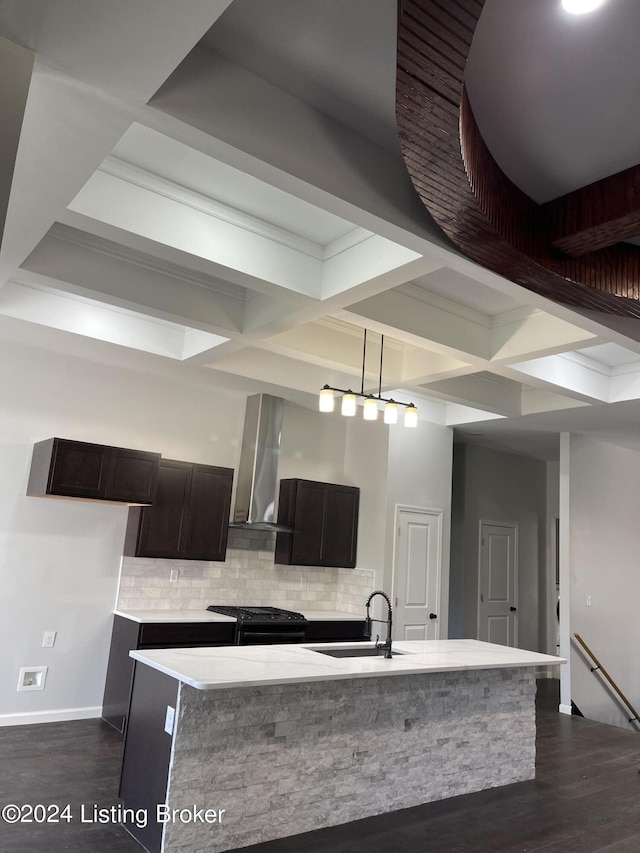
{"points": [[264, 625]]}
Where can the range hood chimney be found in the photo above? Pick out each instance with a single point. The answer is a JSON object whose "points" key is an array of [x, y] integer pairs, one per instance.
{"points": [[258, 469]]}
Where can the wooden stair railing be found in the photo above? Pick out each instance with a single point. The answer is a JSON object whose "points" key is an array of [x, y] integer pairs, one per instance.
{"points": [[599, 668]]}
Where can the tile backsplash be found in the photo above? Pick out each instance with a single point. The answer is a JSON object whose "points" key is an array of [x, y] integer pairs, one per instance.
{"points": [[247, 576]]}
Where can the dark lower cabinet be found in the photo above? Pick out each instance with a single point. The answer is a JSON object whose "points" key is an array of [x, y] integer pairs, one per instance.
{"points": [[147, 754], [128, 634], [335, 630], [78, 469], [189, 519], [324, 520]]}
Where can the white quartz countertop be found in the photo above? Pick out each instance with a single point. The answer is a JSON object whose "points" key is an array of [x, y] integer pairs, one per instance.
{"points": [[251, 666], [205, 615], [150, 616]]}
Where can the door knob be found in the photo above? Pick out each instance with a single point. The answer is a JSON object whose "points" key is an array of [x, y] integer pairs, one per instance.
{"points": [[513, 609], [433, 616]]}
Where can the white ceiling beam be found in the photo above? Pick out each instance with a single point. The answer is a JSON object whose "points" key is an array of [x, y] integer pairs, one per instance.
{"points": [[374, 262], [67, 131], [161, 253], [96, 275], [536, 400], [272, 367], [447, 333], [482, 392], [624, 383], [457, 414], [525, 333], [16, 67], [101, 322], [421, 366], [336, 346], [567, 375], [104, 75], [194, 231]]}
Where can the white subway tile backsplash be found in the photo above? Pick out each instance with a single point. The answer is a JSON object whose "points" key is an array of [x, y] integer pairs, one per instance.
{"points": [[248, 576]]}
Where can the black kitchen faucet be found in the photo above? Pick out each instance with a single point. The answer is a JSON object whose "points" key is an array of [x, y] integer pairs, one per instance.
{"points": [[367, 625]]}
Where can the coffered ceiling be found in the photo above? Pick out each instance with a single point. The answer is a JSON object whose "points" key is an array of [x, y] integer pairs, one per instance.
{"points": [[214, 190]]}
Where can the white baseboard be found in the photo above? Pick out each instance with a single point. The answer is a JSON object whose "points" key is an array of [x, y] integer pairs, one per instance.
{"points": [[50, 716], [565, 709]]}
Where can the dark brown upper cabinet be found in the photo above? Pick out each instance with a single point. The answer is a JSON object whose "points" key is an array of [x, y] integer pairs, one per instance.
{"points": [[78, 469], [324, 520], [189, 519]]}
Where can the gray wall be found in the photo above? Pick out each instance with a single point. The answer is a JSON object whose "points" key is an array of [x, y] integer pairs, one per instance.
{"points": [[495, 486], [419, 476], [605, 560], [60, 560]]}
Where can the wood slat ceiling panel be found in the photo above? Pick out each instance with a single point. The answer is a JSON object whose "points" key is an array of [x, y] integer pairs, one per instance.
{"points": [[472, 200]]}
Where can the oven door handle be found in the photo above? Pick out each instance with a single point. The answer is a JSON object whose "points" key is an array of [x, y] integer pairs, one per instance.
{"points": [[269, 637]]}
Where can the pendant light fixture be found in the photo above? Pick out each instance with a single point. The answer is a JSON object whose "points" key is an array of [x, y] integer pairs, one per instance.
{"points": [[370, 407]]}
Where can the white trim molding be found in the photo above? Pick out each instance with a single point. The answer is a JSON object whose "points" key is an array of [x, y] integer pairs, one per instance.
{"points": [[61, 716]]}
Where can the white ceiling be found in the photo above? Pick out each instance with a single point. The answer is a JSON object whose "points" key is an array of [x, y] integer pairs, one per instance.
{"points": [[554, 94], [337, 56], [242, 226]]}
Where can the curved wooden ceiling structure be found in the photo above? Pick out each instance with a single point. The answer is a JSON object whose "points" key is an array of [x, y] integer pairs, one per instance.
{"points": [[568, 249]]}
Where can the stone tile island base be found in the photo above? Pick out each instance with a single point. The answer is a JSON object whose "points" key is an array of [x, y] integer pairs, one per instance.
{"points": [[290, 758]]}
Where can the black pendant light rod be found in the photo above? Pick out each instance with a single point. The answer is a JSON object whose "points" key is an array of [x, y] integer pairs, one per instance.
{"points": [[362, 394]]}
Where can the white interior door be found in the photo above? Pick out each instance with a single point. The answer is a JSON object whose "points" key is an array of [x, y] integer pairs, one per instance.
{"points": [[417, 574], [497, 588]]}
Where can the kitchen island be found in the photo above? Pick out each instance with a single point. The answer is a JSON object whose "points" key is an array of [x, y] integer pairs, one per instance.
{"points": [[270, 741]]}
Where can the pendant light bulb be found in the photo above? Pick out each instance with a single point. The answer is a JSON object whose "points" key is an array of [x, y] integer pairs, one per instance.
{"points": [[348, 408], [391, 412], [370, 409], [326, 399], [411, 416]]}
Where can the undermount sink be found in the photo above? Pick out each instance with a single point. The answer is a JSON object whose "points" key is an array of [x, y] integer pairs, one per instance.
{"points": [[368, 652]]}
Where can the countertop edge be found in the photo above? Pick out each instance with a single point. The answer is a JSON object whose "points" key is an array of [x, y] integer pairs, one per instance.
{"points": [[204, 616], [333, 669]]}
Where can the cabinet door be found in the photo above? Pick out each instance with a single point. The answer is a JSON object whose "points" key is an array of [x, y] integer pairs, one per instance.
{"points": [[286, 516], [208, 515], [336, 631], [115, 704], [162, 528], [78, 469], [133, 475], [306, 547], [340, 537]]}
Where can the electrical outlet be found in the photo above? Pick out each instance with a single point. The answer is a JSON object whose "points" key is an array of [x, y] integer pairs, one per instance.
{"points": [[48, 639], [173, 577], [169, 720], [588, 601]]}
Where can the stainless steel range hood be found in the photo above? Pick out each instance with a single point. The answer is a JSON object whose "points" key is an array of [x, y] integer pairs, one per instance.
{"points": [[256, 491]]}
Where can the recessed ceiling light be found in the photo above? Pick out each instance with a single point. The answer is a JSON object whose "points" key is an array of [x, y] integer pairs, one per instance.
{"points": [[579, 7]]}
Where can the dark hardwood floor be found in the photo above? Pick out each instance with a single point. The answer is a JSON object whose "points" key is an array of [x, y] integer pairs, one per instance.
{"points": [[585, 799]]}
